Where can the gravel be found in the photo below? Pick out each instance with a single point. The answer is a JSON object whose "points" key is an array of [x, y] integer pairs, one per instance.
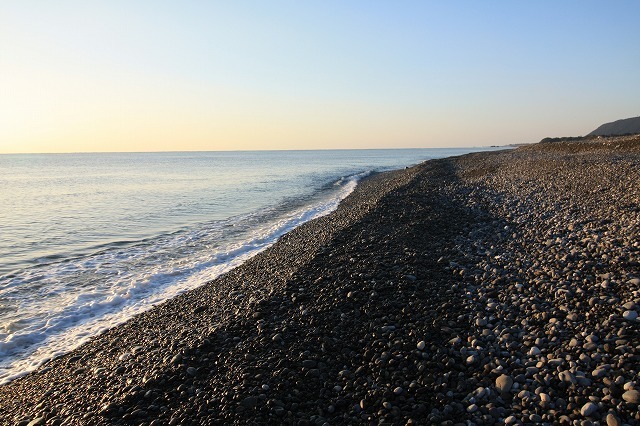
{"points": [[491, 288]]}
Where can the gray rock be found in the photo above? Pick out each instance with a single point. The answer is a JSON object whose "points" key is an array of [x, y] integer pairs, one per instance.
{"points": [[504, 383], [308, 363], [572, 317], [588, 409], [177, 359], [583, 381], [592, 338], [567, 377], [630, 315], [249, 402]]}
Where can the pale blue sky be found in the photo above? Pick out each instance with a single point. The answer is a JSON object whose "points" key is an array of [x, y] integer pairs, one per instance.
{"points": [[160, 75]]}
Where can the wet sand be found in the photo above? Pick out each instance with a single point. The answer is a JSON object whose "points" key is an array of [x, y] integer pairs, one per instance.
{"points": [[498, 287]]}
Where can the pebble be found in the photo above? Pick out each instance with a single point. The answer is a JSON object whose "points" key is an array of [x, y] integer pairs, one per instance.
{"points": [[631, 396], [545, 399], [612, 420], [308, 363], [421, 345], [504, 383], [630, 315], [249, 402], [588, 409], [567, 377]]}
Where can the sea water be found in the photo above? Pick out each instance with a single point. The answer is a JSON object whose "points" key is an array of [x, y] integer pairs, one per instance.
{"points": [[89, 240]]}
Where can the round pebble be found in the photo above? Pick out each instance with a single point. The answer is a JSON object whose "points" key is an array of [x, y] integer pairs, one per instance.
{"points": [[588, 409], [504, 383], [631, 396]]}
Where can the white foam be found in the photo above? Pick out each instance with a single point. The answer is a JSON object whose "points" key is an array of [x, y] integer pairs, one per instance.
{"points": [[60, 306]]}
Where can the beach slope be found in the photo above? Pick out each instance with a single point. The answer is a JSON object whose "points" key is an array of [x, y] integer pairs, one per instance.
{"points": [[494, 287]]}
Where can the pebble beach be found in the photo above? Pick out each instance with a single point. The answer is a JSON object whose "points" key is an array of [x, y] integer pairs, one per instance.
{"points": [[490, 288]]}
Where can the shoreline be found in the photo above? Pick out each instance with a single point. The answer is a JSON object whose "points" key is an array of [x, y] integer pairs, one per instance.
{"points": [[405, 303]]}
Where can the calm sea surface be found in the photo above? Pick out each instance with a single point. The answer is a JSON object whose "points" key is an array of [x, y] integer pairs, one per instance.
{"points": [[88, 240]]}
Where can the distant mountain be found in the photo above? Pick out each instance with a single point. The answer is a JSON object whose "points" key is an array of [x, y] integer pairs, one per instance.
{"points": [[619, 127]]}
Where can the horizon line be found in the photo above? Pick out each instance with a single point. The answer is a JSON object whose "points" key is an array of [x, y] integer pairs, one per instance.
{"points": [[252, 150]]}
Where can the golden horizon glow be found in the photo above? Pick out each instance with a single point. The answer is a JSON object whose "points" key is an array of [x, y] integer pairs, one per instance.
{"points": [[134, 115], [113, 77]]}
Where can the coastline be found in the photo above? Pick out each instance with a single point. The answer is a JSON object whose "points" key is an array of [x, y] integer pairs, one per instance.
{"points": [[406, 303]]}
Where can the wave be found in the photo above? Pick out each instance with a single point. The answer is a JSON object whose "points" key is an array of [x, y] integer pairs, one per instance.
{"points": [[51, 310]]}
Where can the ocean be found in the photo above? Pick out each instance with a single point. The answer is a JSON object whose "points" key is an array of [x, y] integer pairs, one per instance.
{"points": [[89, 240]]}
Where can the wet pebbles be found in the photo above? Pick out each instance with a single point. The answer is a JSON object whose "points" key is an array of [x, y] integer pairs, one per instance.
{"points": [[493, 288]]}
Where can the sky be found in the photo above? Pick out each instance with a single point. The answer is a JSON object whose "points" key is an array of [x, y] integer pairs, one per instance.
{"points": [[95, 76]]}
